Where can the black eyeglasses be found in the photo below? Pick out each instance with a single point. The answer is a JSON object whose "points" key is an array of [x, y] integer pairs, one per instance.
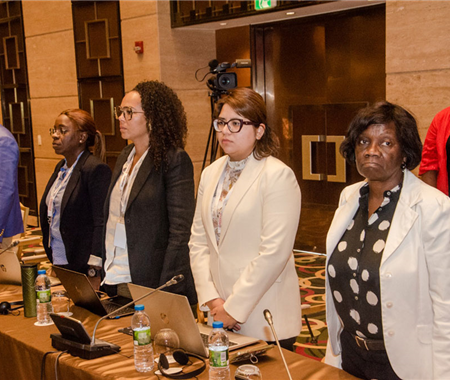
{"points": [[127, 111], [234, 125], [58, 131]]}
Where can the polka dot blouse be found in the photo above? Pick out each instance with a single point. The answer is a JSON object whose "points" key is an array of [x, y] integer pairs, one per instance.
{"points": [[353, 268]]}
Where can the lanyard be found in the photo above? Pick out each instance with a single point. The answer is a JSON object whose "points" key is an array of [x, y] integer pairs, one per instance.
{"points": [[63, 177]]}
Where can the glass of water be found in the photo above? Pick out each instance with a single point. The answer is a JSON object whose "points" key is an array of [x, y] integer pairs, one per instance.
{"points": [[166, 341], [248, 372], [61, 303]]}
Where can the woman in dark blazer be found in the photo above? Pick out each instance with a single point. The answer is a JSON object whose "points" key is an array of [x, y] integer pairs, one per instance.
{"points": [[71, 209], [150, 203]]}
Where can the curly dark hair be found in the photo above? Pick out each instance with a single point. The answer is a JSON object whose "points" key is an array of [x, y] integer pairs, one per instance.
{"points": [[385, 113], [249, 104], [167, 123]]}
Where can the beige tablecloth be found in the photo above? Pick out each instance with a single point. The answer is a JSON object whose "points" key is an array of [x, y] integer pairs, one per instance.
{"points": [[23, 345]]}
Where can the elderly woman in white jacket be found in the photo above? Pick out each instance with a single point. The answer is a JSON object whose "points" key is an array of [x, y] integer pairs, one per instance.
{"points": [[388, 267]]}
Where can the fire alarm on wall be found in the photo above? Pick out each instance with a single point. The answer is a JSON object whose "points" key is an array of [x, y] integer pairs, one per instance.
{"points": [[139, 47]]}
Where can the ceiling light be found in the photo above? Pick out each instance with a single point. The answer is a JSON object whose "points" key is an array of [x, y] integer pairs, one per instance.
{"points": [[290, 13], [223, 24]]}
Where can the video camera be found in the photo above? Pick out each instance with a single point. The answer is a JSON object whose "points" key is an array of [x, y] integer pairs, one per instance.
{"points": [[219, 83], [222, 81]]}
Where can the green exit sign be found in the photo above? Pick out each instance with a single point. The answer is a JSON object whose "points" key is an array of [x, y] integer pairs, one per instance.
{"points": [[265, 4]]}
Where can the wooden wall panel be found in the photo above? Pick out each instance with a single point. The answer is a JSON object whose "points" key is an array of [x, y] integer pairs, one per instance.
{"points": [[315, 74], [15, 97], [99, 68]]}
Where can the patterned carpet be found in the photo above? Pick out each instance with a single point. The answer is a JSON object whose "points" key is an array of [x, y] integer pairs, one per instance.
{"points": [[311, 279]]}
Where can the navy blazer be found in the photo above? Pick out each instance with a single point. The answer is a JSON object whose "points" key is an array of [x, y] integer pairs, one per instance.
{"points": [[81, 211], [10, 216], [158, 220]]}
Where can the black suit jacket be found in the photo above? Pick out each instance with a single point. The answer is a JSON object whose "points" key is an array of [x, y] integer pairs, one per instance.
{"points": [[81, 211], [158, 221]]}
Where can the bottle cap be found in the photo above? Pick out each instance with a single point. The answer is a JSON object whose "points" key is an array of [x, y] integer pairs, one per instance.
{"points": [[139, 307], [217, 325], [42, 271]]}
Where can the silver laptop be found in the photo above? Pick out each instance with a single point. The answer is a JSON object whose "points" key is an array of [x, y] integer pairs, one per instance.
{"points": [[168, 310], [10, 269], [81, 292], [10, 272]]}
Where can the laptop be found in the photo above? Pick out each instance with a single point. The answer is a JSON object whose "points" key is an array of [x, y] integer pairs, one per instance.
{"points": [[10, 272], [81, 292], [168, 310]]}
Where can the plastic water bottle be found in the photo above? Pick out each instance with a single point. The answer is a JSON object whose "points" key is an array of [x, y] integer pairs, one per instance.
{"points": [[43, 298], [218, 353], [143, 349]]}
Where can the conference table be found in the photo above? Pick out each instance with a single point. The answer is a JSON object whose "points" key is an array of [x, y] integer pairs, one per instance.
{"points": [[24, 348]]}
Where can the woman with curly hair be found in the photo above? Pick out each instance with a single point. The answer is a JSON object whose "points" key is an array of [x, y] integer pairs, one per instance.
{"points": [[150, 202]]}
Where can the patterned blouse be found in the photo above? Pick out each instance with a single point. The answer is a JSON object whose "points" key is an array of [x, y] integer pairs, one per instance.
{"points": [[353, 267], [224, 188]]}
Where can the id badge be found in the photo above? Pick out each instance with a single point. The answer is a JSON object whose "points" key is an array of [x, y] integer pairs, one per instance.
{"points": [[120, 237]]}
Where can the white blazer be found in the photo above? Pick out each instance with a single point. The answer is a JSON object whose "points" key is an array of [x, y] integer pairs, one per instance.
{"points": [[252, 268], [414, 281]]}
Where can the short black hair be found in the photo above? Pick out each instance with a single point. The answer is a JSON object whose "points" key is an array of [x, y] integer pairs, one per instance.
{"points": [[385, 113]]}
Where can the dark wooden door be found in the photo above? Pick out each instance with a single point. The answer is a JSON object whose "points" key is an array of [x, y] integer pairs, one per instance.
{"points": [[315, 73]]}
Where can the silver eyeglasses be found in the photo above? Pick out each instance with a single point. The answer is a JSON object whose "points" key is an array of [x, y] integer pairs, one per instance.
{"points": [[58, 131], [127, 111], [234, 125]]}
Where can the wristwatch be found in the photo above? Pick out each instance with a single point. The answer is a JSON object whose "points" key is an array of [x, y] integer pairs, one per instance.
{"points": [[92, 272]]}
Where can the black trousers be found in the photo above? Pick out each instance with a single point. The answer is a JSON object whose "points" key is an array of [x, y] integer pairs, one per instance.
{"points": [[365, 364], [287, 344], [114, 290]]}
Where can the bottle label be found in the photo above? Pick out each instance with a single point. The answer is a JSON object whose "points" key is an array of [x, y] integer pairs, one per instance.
{"points": [[44, 296], [218, 358], [142, 336]]}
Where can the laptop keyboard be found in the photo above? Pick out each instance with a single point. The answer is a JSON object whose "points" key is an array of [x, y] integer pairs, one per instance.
{"points": [[110, 307], [205, 340]]}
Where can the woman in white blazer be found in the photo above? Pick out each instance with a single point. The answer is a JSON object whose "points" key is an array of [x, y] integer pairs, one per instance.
{"points": [[246, 219], [388, 282]]}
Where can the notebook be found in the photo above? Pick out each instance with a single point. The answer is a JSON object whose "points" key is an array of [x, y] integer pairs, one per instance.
{"points": [[81, 292], [168, 310]]}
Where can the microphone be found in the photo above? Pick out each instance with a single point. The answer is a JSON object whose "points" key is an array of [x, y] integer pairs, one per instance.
{"points": [[213, 64], [268, 317], [15, 243], [174, 280]]}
